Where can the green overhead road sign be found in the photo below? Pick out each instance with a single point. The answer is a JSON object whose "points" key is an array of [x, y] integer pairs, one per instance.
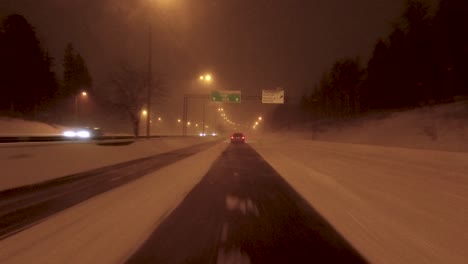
{"points": [[227, 96]]}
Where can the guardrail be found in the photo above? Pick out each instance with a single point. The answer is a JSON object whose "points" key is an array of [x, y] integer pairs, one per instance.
{"points": [[16, 139]]}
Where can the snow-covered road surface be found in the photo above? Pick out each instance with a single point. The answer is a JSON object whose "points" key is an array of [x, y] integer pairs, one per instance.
{"points": [[395, 205]]}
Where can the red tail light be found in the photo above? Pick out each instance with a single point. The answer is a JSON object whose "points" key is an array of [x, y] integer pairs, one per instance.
{"points": [[232, 137], [243, 137]]}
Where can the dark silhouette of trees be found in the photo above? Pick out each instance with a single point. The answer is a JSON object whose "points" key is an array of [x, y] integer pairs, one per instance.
{"points": [[338, 93], [76, 75], [450, 30], [424, 60], [400, 72], [26, 80]]}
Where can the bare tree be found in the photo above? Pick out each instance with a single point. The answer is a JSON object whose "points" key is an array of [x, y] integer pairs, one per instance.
{"points": [[127, 90]]}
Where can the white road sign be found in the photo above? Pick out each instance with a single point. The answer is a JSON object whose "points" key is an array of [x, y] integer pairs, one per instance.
{"points": [[273, 96]]}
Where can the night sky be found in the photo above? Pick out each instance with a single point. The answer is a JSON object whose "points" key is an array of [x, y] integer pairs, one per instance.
{"points": [[247, 45]]}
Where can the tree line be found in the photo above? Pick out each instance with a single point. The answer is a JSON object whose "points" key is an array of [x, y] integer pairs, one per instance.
{"points": [[423, 61], [28, 82]]}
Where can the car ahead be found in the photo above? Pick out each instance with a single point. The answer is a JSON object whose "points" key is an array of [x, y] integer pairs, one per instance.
{"points": [[237, 138]]}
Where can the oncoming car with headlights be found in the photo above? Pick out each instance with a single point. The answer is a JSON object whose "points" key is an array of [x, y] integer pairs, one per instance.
{"points": [[84, 133]]}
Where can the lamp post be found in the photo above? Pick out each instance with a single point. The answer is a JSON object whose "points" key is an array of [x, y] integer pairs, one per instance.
{"points": [[148, 99], [77, 98], [207, 79]]}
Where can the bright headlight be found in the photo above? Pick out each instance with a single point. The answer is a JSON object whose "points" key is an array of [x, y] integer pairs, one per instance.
{"points": [[69, 134], [83, 134]]}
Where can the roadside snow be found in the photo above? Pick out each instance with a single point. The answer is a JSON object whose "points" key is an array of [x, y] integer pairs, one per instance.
{"points": [[24, 164], [17, 127], [395, 205], [443, 127], [110, 227]]}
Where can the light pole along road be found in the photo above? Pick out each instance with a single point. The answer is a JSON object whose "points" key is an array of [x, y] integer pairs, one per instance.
{"points": [[83, 94], [206, 78], [185, 109], [148, 102]]}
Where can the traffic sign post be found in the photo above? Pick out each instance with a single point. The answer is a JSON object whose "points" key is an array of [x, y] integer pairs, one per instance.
{"points": [[226, 96], [273, 96]]}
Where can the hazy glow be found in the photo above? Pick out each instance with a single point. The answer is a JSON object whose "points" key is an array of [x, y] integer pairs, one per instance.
{"points": [[83, 134], [69, 134]]}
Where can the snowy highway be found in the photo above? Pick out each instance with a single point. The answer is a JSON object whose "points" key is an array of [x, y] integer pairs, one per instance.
{"points": [[269, 201]]}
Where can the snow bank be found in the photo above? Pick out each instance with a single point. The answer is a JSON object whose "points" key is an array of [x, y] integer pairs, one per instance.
{"points": [[439, 127], [13, 127], [24, 164]]}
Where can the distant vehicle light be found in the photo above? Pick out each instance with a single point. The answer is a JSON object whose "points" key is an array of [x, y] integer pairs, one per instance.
{"points": [[69, 134], [202, 135], [83, 134], [214, 134]]}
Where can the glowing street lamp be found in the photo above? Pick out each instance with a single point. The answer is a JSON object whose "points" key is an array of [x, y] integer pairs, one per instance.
{"points": [[83, 95]]}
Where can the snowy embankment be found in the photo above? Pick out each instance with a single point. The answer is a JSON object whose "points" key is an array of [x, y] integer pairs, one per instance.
{"points": [[443, 127], [406, 202]]}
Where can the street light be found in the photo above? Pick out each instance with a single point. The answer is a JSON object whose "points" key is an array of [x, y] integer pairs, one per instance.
{"points": [[149, 91], [206, 78], [83, 94]]}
